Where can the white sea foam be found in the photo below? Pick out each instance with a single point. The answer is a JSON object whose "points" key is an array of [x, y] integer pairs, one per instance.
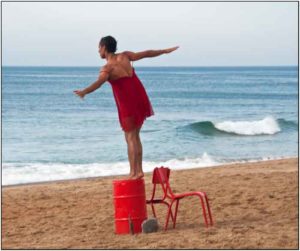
{"points": [[268, 125], [39, 172]]}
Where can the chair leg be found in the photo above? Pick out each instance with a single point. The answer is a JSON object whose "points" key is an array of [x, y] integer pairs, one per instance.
{"points": [[171, 213], [168, 215], [208, 207], [176, 209], [203, 209], [172, 217], [153, 210]]}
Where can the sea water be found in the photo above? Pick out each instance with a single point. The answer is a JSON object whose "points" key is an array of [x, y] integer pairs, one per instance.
{"points": [[204, 116]]}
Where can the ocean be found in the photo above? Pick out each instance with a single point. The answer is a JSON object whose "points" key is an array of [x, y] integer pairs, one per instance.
{"points": [[203, 116]]}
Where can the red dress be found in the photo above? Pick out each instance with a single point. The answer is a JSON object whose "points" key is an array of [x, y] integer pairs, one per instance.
{"points": [[132, 101]]}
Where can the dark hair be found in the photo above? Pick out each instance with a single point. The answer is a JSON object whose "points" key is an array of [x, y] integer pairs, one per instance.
{"points": [[109, 42]]}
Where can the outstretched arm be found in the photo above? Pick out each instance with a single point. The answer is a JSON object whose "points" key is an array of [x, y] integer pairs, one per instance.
{"points": [[103, 76], [134, 56]]}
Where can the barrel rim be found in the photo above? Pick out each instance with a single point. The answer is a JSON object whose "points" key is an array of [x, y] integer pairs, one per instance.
{"points": [[128, 180]]}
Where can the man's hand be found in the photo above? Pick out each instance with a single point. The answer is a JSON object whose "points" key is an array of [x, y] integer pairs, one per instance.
{"points": [[80, 93], [171, 49]]}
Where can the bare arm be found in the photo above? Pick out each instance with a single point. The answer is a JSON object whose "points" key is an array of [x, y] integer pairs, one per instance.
{"points": [[134, 56], [103, 76]]}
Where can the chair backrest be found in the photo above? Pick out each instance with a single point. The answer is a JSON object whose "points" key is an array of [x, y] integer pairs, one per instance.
{"points": [[161, 176], [165, 173]]}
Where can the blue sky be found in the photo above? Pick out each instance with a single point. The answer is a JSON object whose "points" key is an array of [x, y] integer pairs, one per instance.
{"points": [[208, 33]]}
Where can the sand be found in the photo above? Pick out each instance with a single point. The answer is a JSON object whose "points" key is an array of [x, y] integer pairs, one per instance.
{"points": [[254, 206]]}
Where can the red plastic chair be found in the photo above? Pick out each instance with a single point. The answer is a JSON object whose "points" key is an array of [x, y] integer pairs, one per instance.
{"points": [[152, 201], [161, 176]]}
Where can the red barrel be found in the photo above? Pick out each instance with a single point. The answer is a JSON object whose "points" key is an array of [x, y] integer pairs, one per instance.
{"points": [[130, 205]]}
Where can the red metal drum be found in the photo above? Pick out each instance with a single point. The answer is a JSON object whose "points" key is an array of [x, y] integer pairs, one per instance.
{"points": [[130, 205]]}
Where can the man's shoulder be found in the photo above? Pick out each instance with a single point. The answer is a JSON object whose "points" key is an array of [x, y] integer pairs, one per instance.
{"points": [[126, 54], [108, 68]]}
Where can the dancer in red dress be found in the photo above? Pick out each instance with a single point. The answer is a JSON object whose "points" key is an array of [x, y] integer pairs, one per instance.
{"points": [[132, 101]]}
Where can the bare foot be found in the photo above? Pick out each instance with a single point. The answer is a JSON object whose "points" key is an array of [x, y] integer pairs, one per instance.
{"points": [[139, 175], [131, 175]]}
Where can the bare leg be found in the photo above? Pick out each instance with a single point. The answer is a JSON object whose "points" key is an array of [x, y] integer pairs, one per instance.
{"points": [[132, 150], [139, 167], [131, 161]]}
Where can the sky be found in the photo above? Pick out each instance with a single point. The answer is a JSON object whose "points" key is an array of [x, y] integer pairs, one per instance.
{"points": [[208, 33]]}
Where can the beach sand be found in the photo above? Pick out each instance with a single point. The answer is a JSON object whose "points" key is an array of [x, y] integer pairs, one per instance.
{"points": [[254, 206]]}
